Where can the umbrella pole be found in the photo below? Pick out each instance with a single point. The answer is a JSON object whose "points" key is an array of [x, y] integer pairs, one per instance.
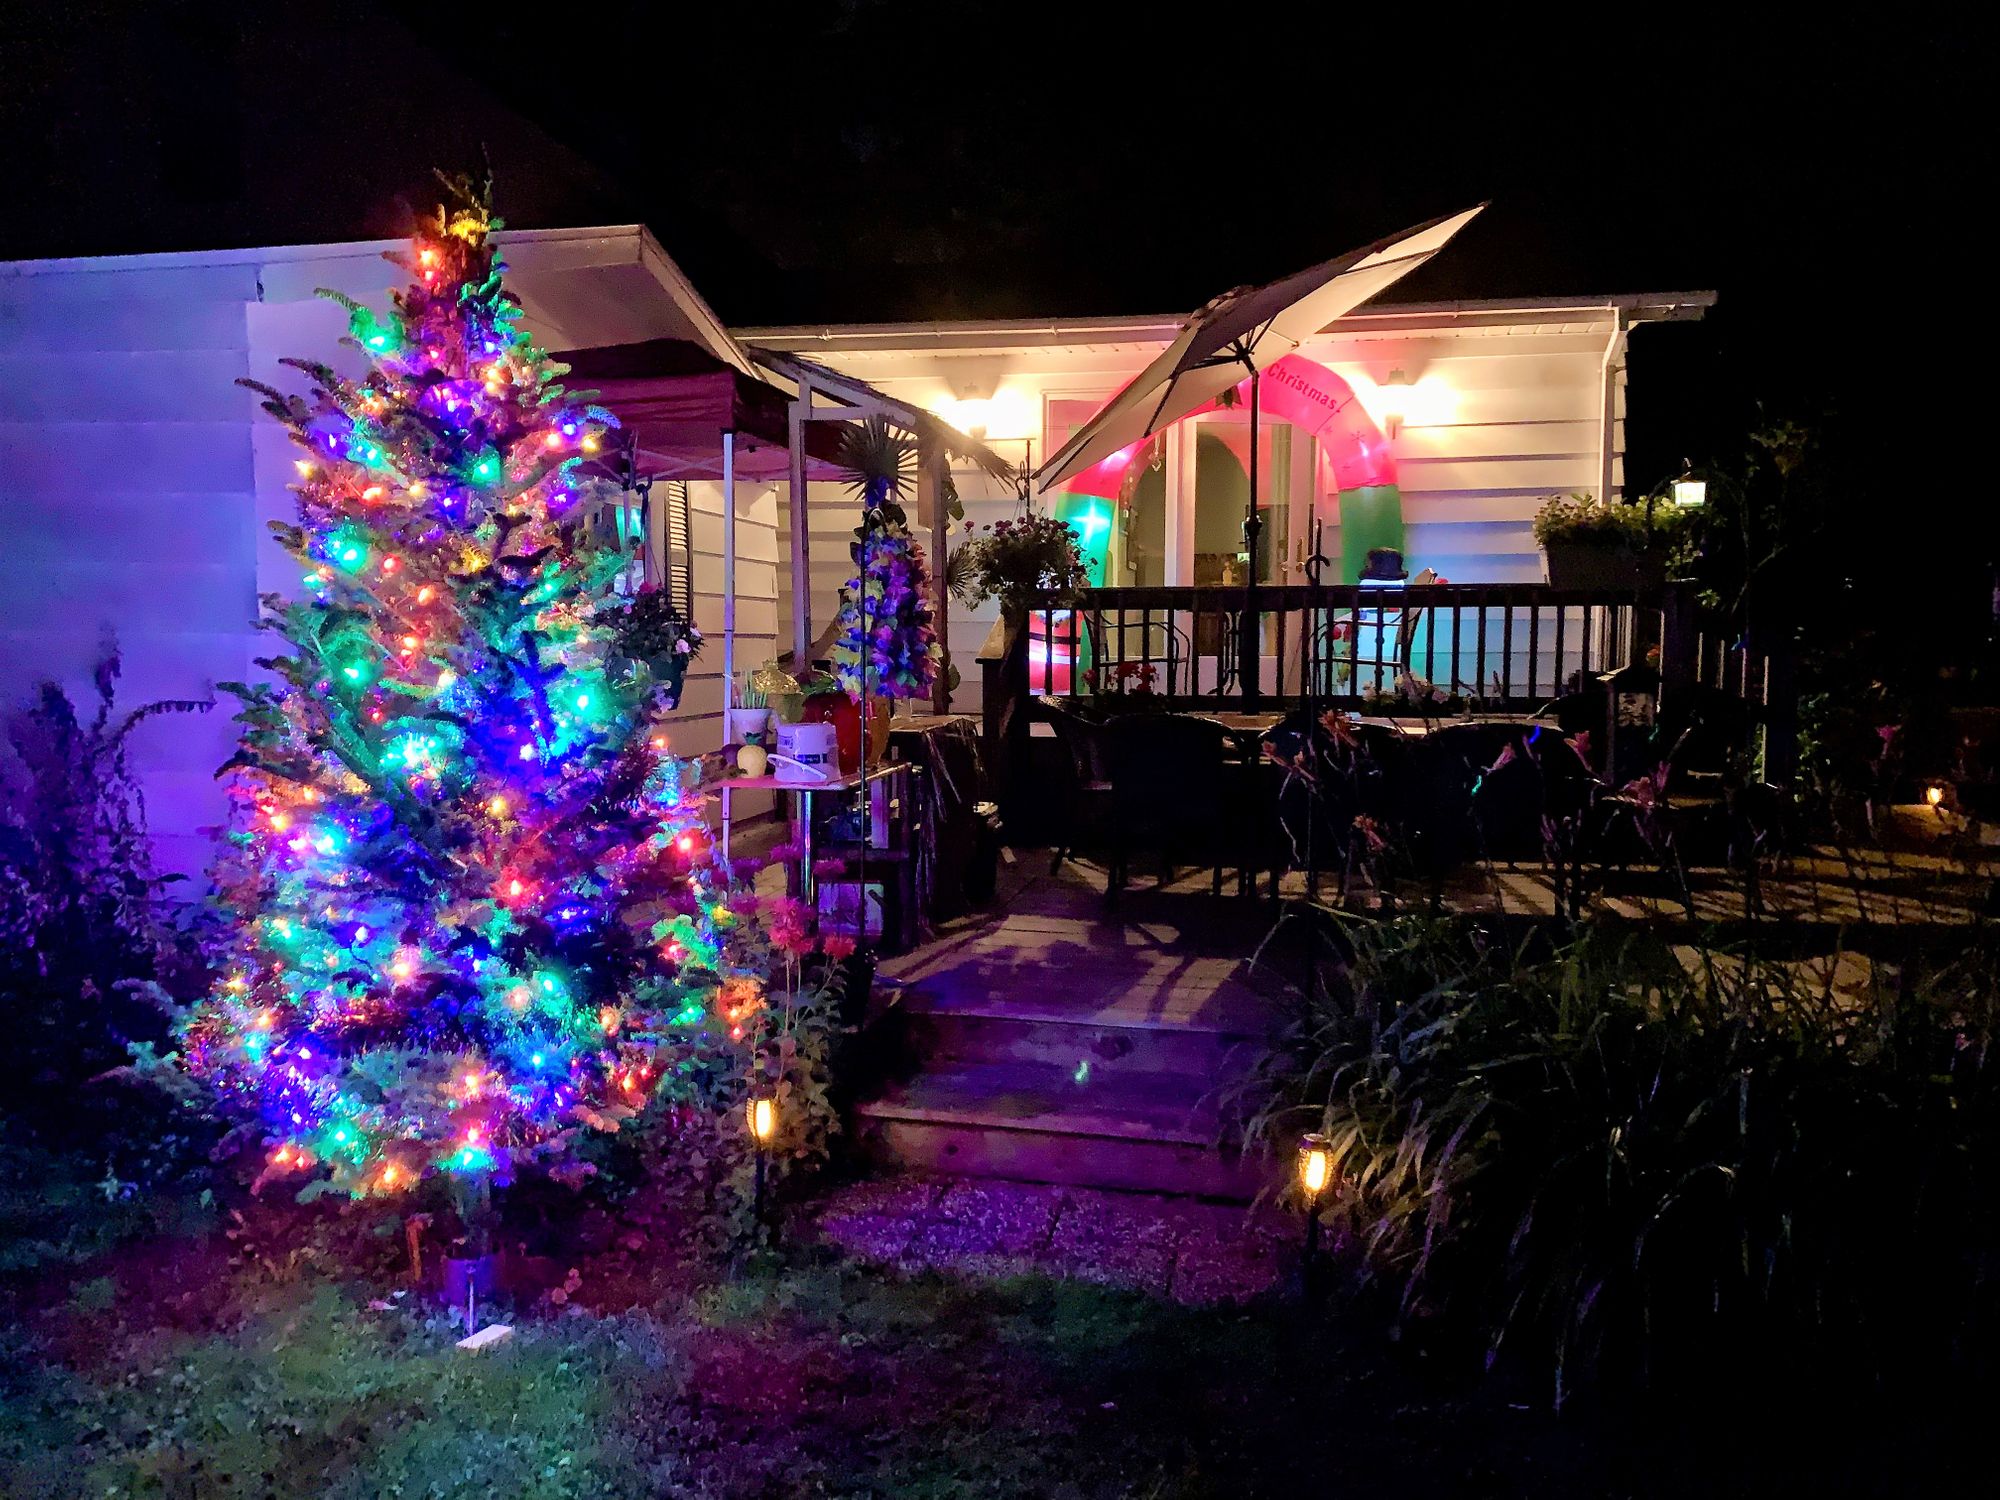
{"points": [[1248, 637]]}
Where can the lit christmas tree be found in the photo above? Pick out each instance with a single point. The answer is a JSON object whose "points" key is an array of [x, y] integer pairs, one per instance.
{"points": [[886, 645], [471, 904]]}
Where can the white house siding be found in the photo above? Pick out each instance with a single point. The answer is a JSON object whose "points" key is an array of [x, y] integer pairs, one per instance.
{"points": [[1509, 414], [137, 478], [127, 502]]}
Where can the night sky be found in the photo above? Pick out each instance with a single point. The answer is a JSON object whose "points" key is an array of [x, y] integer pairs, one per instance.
{"points": [[872, 160]]}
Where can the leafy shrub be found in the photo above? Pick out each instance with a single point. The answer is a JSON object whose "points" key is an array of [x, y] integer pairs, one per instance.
{"points": [[63, 1208], [85, 938], [1612, 1159]]}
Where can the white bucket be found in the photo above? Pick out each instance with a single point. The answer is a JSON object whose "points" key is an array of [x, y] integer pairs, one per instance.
{"points": [[811, 750]]}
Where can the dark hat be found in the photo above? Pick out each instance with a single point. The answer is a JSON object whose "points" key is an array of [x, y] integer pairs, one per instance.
{"points": [[1384, 565]]}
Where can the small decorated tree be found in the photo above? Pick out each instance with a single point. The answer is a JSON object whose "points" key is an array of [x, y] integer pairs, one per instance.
{"points": [[470, 906], [886, 646]]}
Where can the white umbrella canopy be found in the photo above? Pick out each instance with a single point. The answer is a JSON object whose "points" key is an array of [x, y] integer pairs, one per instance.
{"points": [[1239, 332]]}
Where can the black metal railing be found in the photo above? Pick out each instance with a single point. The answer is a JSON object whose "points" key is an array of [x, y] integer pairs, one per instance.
{"points": [[1509, 647], [1498, 648]]}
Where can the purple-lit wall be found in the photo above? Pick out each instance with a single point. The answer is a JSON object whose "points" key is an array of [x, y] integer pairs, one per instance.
{"points": [[127, 501], [137, 478]]}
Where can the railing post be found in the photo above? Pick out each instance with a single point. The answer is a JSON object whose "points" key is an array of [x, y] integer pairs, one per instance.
{"points": [[1781, 705], [1680, 635], [1003, 700]]}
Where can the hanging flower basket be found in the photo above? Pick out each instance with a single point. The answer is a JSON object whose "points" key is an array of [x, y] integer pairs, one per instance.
{"points": [[652, 631]]}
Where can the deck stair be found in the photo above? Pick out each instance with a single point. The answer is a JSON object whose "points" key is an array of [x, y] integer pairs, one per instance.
{"points": [[1047, 1040]]}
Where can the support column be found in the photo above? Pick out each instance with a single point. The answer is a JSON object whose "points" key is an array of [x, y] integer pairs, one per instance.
{"points": [[728, 577], [931, 510], [801, 523]]}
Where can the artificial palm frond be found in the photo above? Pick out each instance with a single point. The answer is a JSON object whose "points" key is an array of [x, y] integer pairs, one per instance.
{"points": [[960, 567], [876, 460]]}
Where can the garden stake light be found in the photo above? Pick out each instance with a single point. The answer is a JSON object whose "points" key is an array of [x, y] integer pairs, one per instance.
{"points": [[761, 1115], [1315, 1173]]}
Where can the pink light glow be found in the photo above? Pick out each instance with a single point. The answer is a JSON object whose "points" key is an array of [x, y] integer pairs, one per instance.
{"points": [[1105, 478]]}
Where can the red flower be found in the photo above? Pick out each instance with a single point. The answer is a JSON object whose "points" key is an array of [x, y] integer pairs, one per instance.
{"points": [[837, 947], [793, 941]]}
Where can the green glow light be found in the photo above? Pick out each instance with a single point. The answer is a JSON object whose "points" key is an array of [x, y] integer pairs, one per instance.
{"points": [[347, 548]]}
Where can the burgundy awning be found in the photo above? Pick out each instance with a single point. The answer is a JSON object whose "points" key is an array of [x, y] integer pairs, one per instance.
{"points": [[677, 400]]}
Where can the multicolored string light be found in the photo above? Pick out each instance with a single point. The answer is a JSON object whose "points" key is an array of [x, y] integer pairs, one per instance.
{"points": [[471, 900]]}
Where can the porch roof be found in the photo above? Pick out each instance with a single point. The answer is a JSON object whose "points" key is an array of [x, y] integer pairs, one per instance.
{"points": [[1383, 320]]}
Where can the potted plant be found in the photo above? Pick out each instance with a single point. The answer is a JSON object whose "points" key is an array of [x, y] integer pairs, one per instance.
{"points": [[1593, 546], [1030, 558], [652, 631]]}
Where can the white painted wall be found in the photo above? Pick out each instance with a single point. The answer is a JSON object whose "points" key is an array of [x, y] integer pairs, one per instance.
{"points": [[136, 477]]}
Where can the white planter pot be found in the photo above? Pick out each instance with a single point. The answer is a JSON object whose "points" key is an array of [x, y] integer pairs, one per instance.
{"points": [[750, 726]]}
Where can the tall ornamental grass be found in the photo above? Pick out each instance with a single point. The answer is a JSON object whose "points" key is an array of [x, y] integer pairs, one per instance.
{"points": [[1611, 1160]]}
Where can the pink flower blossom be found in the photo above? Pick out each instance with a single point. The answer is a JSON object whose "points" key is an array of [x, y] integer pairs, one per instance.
{"points": [[795, 942], [837, 947]]}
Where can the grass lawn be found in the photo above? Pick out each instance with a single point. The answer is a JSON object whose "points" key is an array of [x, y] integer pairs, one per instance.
{"points": [[281, 1355]]}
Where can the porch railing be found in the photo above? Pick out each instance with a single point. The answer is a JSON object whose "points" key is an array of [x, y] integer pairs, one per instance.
{"points": [[1500, 648], [1510, 647]]}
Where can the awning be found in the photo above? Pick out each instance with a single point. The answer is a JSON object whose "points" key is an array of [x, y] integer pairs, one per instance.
{"points": [[676, 399]]}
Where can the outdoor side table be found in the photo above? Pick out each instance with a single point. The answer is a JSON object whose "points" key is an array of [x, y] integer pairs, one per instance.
{"points": [[897, 856]]}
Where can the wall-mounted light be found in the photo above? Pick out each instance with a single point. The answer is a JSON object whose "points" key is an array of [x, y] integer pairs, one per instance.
{"points": [[1688, 489], [1393, 396], [994, 414]]}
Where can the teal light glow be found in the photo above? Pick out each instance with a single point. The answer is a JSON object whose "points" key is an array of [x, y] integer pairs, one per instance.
{"points": [[347, 549]]}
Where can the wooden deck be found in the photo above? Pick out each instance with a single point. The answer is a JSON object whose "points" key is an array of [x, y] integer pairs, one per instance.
{"points": [[1049, 1038]]}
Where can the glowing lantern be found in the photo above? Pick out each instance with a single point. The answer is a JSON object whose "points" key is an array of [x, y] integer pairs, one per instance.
{"points": [[1688, 490], [1315, 1166], [1934, 795], [761, 1115]]}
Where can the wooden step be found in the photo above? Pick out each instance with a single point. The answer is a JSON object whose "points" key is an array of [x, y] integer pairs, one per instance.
{"points": [[932, 1038], [1037, 1122]]}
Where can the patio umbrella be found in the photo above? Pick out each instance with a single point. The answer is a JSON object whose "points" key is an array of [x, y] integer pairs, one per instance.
{"points": [[1242, 332]]}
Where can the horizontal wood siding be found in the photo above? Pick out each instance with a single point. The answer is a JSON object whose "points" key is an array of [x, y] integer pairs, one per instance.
{"points": [[127, 508], [1514, 420], [137, 478]]}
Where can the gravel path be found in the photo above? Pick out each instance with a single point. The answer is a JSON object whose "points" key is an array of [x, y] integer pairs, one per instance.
{"points": [[1171, 1247]]}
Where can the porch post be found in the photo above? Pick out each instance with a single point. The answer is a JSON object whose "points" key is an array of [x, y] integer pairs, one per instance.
{"points": [[930, 504], [728, 577], [1250, 638], [1678, 641], [797, 509]]}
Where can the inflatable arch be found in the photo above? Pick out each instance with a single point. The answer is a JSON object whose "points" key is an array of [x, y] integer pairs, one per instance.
{"points": [[1355, 456]]}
